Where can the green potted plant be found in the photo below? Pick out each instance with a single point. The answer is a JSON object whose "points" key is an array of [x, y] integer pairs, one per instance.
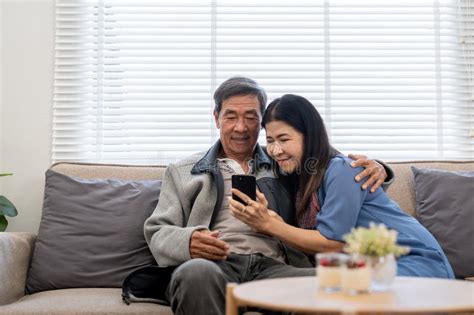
{"points": [[379, 245], [6, 209]]}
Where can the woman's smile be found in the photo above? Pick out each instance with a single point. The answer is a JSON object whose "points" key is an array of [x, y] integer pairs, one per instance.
{"points": [[284, 145]]}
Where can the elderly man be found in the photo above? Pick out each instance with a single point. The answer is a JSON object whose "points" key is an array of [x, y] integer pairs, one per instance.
{"points": [[192, 227]]}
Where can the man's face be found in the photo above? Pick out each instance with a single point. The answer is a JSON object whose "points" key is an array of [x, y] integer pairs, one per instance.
{"points": [[239, 123]]}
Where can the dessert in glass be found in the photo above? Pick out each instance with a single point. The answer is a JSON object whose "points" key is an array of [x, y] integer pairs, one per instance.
{"points": [[329, 269], [356, 275]]}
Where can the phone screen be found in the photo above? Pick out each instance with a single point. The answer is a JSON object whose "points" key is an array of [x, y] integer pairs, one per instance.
{"points": [[246, 184]]}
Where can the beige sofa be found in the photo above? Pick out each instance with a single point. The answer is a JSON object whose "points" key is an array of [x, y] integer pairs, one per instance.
{"points": [[16, 248]]}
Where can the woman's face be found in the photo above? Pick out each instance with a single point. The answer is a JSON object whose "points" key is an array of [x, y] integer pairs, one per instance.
{"points": [[285, 145]]}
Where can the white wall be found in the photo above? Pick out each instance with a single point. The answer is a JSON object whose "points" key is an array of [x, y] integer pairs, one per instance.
{"points": [[27, 57]]}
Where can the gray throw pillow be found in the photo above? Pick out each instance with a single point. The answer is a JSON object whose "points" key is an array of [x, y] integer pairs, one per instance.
{"points": [[445, 206], [91, 232]]}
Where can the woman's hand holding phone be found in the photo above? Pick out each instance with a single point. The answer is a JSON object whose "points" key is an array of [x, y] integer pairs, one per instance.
{"points": [[253, 213]]}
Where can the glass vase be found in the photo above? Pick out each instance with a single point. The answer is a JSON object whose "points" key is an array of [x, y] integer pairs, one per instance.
{"points": [[384, 270]]}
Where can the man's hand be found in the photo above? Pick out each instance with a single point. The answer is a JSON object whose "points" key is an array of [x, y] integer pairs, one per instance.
{"points": [[205, 244], [374, 170]]}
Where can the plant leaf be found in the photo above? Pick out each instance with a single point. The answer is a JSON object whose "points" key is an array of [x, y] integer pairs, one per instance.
{"points": [[6, 207], [6, 174], [3, 223]]}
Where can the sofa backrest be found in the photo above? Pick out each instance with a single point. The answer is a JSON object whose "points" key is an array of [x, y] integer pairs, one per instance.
{"points": [[92, 170], [402, 190]]}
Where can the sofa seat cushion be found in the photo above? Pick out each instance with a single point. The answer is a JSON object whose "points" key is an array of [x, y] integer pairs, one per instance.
{"points": [[81, 301]]}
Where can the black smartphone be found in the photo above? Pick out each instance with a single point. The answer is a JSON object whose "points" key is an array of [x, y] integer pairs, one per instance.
{"points": [[246, 184]]}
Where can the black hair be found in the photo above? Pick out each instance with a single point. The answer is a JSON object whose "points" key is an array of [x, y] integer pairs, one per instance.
{"points": [[301, 114]]}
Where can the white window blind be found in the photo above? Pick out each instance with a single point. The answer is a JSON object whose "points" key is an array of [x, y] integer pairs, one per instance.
{"points": [[134, 79]]}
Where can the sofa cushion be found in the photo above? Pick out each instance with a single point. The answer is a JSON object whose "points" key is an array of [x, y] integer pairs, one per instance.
{"points": [[444, 205], [81, 302], [91, 232]]}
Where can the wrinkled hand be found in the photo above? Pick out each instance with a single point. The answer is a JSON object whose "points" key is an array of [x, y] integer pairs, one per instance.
{"points": [[255, 214], [374, 170], [275, 215], [205, 244]]}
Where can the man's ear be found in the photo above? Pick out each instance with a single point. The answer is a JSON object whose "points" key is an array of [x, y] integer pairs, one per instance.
{"points": [[216, 120]]}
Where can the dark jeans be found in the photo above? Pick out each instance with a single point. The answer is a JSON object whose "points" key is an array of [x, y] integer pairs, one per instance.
{"points": [[198, 285]]}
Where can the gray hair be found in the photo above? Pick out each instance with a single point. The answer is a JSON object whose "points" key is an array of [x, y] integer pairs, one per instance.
{"points": [[239, 86]]}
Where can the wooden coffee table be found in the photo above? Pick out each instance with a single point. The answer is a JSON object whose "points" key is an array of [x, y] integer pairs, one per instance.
{"points": [[302, 295]]}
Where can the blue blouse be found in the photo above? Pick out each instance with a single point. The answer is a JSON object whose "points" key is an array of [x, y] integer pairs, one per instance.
{"points": [[344, 205]]}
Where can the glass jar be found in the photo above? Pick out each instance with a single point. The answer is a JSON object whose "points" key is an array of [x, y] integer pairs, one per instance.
{"points": [[384, 270]]}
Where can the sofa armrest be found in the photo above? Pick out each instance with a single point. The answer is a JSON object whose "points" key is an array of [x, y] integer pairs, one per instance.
{"points": [[16, 249]]}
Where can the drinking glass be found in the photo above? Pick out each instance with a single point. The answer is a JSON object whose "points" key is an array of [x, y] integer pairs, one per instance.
{"points": [[329, 268]]}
